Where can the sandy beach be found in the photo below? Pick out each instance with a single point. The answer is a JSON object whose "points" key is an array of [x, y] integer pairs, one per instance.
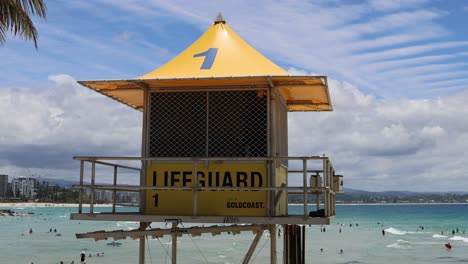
{"points": [[33, 204]]}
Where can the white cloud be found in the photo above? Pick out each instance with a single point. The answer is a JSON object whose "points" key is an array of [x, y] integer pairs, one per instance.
{"points": [[433, 131], [410, 51], [45, 128], [124, 36], [388, 144], [294, 71], [393, 22], [385, 5]]}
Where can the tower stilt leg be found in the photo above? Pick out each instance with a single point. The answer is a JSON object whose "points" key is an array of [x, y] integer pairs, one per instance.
{"points": [[273, 254], [143, 226], [174, 249], [142, 251]]}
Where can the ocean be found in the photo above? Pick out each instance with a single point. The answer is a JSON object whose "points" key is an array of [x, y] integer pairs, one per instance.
{"points": [[413, 234]]}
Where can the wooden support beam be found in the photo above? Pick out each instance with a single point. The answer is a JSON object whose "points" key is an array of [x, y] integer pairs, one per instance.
{"points": [[257, 220], [254, 244], [158, 232]]}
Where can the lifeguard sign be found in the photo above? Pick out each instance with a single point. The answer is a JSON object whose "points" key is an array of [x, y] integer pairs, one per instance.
{"points": [[213, 118], [212, 202]]}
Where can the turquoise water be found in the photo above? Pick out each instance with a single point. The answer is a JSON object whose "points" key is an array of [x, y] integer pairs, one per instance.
{"points": [[404, 241]]}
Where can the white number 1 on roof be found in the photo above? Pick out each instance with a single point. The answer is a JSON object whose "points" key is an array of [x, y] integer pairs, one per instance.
{"points": [[210, 55]]}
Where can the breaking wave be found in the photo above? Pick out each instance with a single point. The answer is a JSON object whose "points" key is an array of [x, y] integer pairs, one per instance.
{"points": [[395, 231], [400, 244], [459, 238]]}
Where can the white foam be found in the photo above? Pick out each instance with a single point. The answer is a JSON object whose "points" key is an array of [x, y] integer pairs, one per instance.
{"points": [[398, 246], [126, 223], [168, 243], [402, 241], [439, 236], [459, 238], [427, 243], [395, 231]]}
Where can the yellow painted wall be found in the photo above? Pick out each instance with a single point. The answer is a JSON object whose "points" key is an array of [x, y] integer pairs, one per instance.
{"points": [[210, 203]]}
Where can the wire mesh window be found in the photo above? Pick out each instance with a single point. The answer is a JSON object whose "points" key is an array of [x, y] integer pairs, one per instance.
{"points": [[177, 125], [208, 124]]}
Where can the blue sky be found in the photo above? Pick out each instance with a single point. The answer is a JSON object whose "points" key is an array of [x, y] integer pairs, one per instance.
{"points": [[397, 69]]}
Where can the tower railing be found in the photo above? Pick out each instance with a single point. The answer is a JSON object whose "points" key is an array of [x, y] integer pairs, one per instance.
{"points": [[311, 181]]}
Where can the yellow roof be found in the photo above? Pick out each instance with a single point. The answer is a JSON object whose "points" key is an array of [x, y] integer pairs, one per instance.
{"points": [[220, 52], [221, 58]]}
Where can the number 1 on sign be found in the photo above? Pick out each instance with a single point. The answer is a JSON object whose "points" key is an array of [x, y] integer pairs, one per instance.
{"points": [[210, 55], [156, 196]]}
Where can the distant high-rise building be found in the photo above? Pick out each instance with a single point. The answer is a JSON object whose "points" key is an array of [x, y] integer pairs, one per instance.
{"points": [[3, 185], [103, 196], [24, 187]]}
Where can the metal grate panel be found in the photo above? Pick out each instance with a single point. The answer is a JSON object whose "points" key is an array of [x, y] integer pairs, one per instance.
{"points": [[177, 124], [208, 124], [237, 124]]}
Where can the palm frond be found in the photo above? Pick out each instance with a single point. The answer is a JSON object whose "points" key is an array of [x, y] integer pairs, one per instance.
{"points": [[15, 17], [2, 35], [34, 7]]}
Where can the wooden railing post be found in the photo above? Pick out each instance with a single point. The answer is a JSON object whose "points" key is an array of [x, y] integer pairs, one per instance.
{"points": [[304, 168], [114, 193], [91, 196], [80, 206]]}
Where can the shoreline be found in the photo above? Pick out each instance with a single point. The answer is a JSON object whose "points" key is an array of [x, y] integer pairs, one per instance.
{"points": [[34, 204], [301, 204]]}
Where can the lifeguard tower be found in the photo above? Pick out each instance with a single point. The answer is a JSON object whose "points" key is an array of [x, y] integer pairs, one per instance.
{"points": [[215, 149]]}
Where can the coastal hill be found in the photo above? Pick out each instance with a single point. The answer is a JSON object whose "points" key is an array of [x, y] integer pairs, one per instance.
{"points": [[361, 196], [355, 195]]}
